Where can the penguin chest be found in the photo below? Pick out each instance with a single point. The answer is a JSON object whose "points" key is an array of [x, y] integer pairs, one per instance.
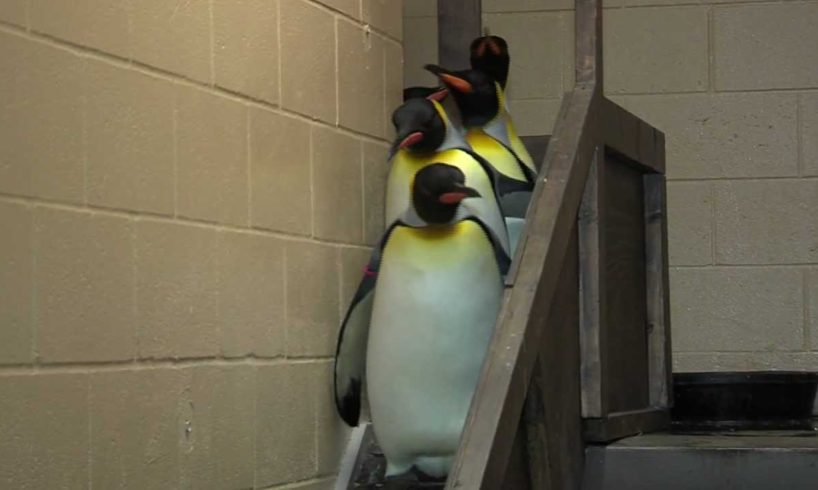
{"points": [[406, 165], [495, 153], [437, 298]]}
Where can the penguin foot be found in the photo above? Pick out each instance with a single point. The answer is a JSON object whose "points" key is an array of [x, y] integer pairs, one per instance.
{"points": [[414, 479], [426, 478]]}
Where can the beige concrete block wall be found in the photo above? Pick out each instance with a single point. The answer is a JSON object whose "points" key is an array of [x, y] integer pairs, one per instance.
{"points": [[188, 192], [734, 88]]}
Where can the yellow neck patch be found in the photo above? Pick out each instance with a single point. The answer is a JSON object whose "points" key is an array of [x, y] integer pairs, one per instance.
{"points": [[495, 153]]}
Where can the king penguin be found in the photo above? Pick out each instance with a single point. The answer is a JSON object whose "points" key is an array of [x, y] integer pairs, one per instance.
{"points": [[491, 134], [489, 54], [425, 135], [437, 292]]}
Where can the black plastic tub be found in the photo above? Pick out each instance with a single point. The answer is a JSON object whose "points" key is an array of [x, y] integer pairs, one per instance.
{"points": [[744, 401]]}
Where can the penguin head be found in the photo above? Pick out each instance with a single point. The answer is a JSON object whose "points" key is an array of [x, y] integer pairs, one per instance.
{"points": [[490, 55], [437, 191], [476, 93], [419, 127], [431, 93]]}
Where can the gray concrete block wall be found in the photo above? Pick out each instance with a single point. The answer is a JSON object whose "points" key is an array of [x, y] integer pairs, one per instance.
{"points": [[734, 86]]}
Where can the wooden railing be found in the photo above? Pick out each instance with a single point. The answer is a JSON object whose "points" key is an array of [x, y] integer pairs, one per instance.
{"points": [[581, 351]]}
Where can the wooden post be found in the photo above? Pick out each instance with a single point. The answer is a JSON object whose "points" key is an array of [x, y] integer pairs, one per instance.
{"points": [[659, 351], [589, 43], [458, 23], [592, 335]]}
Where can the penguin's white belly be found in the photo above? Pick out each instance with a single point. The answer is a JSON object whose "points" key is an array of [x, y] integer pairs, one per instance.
{"points": [[436, 303]]}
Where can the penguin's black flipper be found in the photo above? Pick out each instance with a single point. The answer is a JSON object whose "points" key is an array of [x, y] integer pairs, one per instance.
{"points": [[350, 353], [530, 175], [504, 185]]}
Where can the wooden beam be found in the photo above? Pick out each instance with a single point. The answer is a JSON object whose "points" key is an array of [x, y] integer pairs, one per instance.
{"points": [[589, 43], [623, 424], [458, 24], [495, 410], [551, 414], [592, 297], [633, 138], [542, 170], [559, 365], [660, 366]]}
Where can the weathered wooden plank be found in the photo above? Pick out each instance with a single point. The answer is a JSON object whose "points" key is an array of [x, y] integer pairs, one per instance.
{"points": [[588, 30], [543, 170], [626, 134], [517, 475], [495, 411], [623, 424], [560, 374], [657, 291], [536, 431], [353, 456], [625, 314], [458, 24], [592, 334], [551, 414]]}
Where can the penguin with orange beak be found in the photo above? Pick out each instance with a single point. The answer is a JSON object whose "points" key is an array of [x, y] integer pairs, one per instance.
{"points": [[426, 135], [489, 54], [490, 133], [437, 281]]}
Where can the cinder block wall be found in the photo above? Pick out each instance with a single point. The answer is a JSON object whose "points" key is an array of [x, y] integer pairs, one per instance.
{"points": [[735, 88], [187, 195]]}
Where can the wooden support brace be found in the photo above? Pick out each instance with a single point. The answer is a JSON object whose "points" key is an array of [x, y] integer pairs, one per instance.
{"points": [[458, 24]]}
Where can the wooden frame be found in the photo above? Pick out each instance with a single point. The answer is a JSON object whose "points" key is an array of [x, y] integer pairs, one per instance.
{"points": [[569, 216], [625, 140]]}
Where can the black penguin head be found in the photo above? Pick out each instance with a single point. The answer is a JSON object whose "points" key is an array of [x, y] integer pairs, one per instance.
{"points": [[437, 191], [431, 93], [490, 55], [474, 91], [419, 127]]}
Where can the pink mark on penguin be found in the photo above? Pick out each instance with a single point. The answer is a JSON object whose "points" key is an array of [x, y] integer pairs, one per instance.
{"points": [[452, 197], [410, 140]]}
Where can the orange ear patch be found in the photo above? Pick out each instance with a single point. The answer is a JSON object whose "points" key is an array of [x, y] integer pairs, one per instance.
{"points": [[439, 95], [493, 46], [456, 83], [410, 140], [452, 197]]}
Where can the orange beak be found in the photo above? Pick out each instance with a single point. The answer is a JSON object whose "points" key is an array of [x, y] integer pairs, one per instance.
{"points": [[456, 83]]}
